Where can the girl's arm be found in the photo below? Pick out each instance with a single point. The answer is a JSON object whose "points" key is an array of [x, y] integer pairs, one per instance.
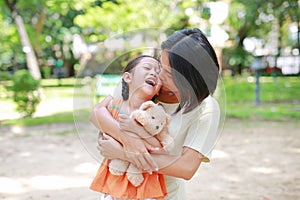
{"points": [[102, 119], [134, 147], [129, 125]]}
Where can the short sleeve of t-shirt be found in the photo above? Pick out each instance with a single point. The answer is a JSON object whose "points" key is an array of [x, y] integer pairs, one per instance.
{"points": [[203, 132]]}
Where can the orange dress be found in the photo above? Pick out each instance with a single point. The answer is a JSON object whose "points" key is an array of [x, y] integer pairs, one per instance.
{"points": [[153, 185]]}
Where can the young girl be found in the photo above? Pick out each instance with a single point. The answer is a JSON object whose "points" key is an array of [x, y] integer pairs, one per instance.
{"points": [[140, 83]]}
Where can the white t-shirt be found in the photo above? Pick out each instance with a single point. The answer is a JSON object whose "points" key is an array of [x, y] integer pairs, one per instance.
{"points": [[197, 129]]}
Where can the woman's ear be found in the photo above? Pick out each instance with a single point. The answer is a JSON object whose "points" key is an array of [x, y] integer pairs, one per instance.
{"points": [[127, 77]]}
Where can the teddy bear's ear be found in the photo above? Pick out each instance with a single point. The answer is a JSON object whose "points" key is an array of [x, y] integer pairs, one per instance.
{"points": [[138, 116], [146, 105]]}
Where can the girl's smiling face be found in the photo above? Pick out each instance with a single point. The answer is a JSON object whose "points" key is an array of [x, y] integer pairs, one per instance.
{"points": [[144, 77]]}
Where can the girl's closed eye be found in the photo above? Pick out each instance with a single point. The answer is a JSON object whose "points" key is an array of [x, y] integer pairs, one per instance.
{"points": [[147, 67]]}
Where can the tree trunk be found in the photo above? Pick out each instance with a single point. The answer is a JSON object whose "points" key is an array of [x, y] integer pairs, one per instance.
{"points": [[27, 48]]}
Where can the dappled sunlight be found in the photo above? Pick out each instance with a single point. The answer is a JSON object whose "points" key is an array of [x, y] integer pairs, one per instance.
{"points": [[41, 182], [55, 182], [293, 150], [219, 154], [11, 186], [17, 130], [25, 154], [85, 167], [232, 177], [265, 170], [53, 105]]}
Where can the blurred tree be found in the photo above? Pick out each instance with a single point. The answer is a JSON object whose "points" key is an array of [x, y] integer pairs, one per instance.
{"points": [[285, 13], [31, 59], [11, 55], [246, 19], [258, 19], [49, 27], [108, 18], [57, 35], [120, 16]]}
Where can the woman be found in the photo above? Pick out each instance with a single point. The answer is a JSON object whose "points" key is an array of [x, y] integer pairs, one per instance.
{"points": [[189, 76]]}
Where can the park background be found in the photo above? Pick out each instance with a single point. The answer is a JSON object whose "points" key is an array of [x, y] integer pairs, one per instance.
{"points": [[54, 58]]}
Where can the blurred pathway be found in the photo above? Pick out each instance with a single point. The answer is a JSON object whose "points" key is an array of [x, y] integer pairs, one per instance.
{"points": [[252, 160]]}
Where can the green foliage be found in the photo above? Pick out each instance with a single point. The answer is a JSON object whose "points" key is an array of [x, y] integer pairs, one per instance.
{"points": [[126, 15], [237, 56], [26, 94], [4, 76]]}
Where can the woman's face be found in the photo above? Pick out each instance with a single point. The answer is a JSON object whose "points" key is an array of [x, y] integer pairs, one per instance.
{"points": [[165, 75]]}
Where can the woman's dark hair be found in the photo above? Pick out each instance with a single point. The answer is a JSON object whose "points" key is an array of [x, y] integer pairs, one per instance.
{"points": [[129, 68], [194, 65]]}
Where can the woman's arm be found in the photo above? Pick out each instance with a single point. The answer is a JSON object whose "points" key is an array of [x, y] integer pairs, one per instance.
{"points": [[181, 166]]}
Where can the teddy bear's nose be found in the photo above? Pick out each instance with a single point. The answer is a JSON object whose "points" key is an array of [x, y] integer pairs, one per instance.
{"points": [[157, 127]]}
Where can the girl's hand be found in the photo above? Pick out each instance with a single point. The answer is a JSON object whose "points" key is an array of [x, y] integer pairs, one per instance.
{"points": [[137, 153], [109, 147], [130, 125]]}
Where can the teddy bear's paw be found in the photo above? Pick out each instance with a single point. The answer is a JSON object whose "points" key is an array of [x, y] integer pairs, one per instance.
{"points": [[134, 175], [135, 179], [116, 172], [118, 167]]}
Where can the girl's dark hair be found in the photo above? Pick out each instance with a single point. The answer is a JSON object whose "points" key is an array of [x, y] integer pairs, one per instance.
{"points": [[194, 65], [129, 68]]}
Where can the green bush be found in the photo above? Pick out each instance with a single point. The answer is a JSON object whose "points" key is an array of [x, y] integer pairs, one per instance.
{"points": [[4, 76], [26, 94]]}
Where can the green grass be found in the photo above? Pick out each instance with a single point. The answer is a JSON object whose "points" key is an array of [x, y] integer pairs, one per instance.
{"points": [[276, 112], [280, 89], [280, 100], [66, 117]]}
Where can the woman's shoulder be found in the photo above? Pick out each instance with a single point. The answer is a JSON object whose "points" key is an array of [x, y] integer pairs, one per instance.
{"points": [[211, 102], [208, 105]]}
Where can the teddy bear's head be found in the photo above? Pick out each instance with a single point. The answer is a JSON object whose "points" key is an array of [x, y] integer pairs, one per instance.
{"points": [[152, 116]]}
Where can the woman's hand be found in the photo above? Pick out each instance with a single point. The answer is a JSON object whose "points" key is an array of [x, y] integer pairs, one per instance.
{"points": [[112, 149]]}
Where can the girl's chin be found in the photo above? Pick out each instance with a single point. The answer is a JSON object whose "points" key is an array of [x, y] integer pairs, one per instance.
{"points": [[150, 90]]}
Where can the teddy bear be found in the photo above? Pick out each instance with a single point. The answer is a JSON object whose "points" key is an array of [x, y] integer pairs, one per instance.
{"points": [[155, 120]]}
